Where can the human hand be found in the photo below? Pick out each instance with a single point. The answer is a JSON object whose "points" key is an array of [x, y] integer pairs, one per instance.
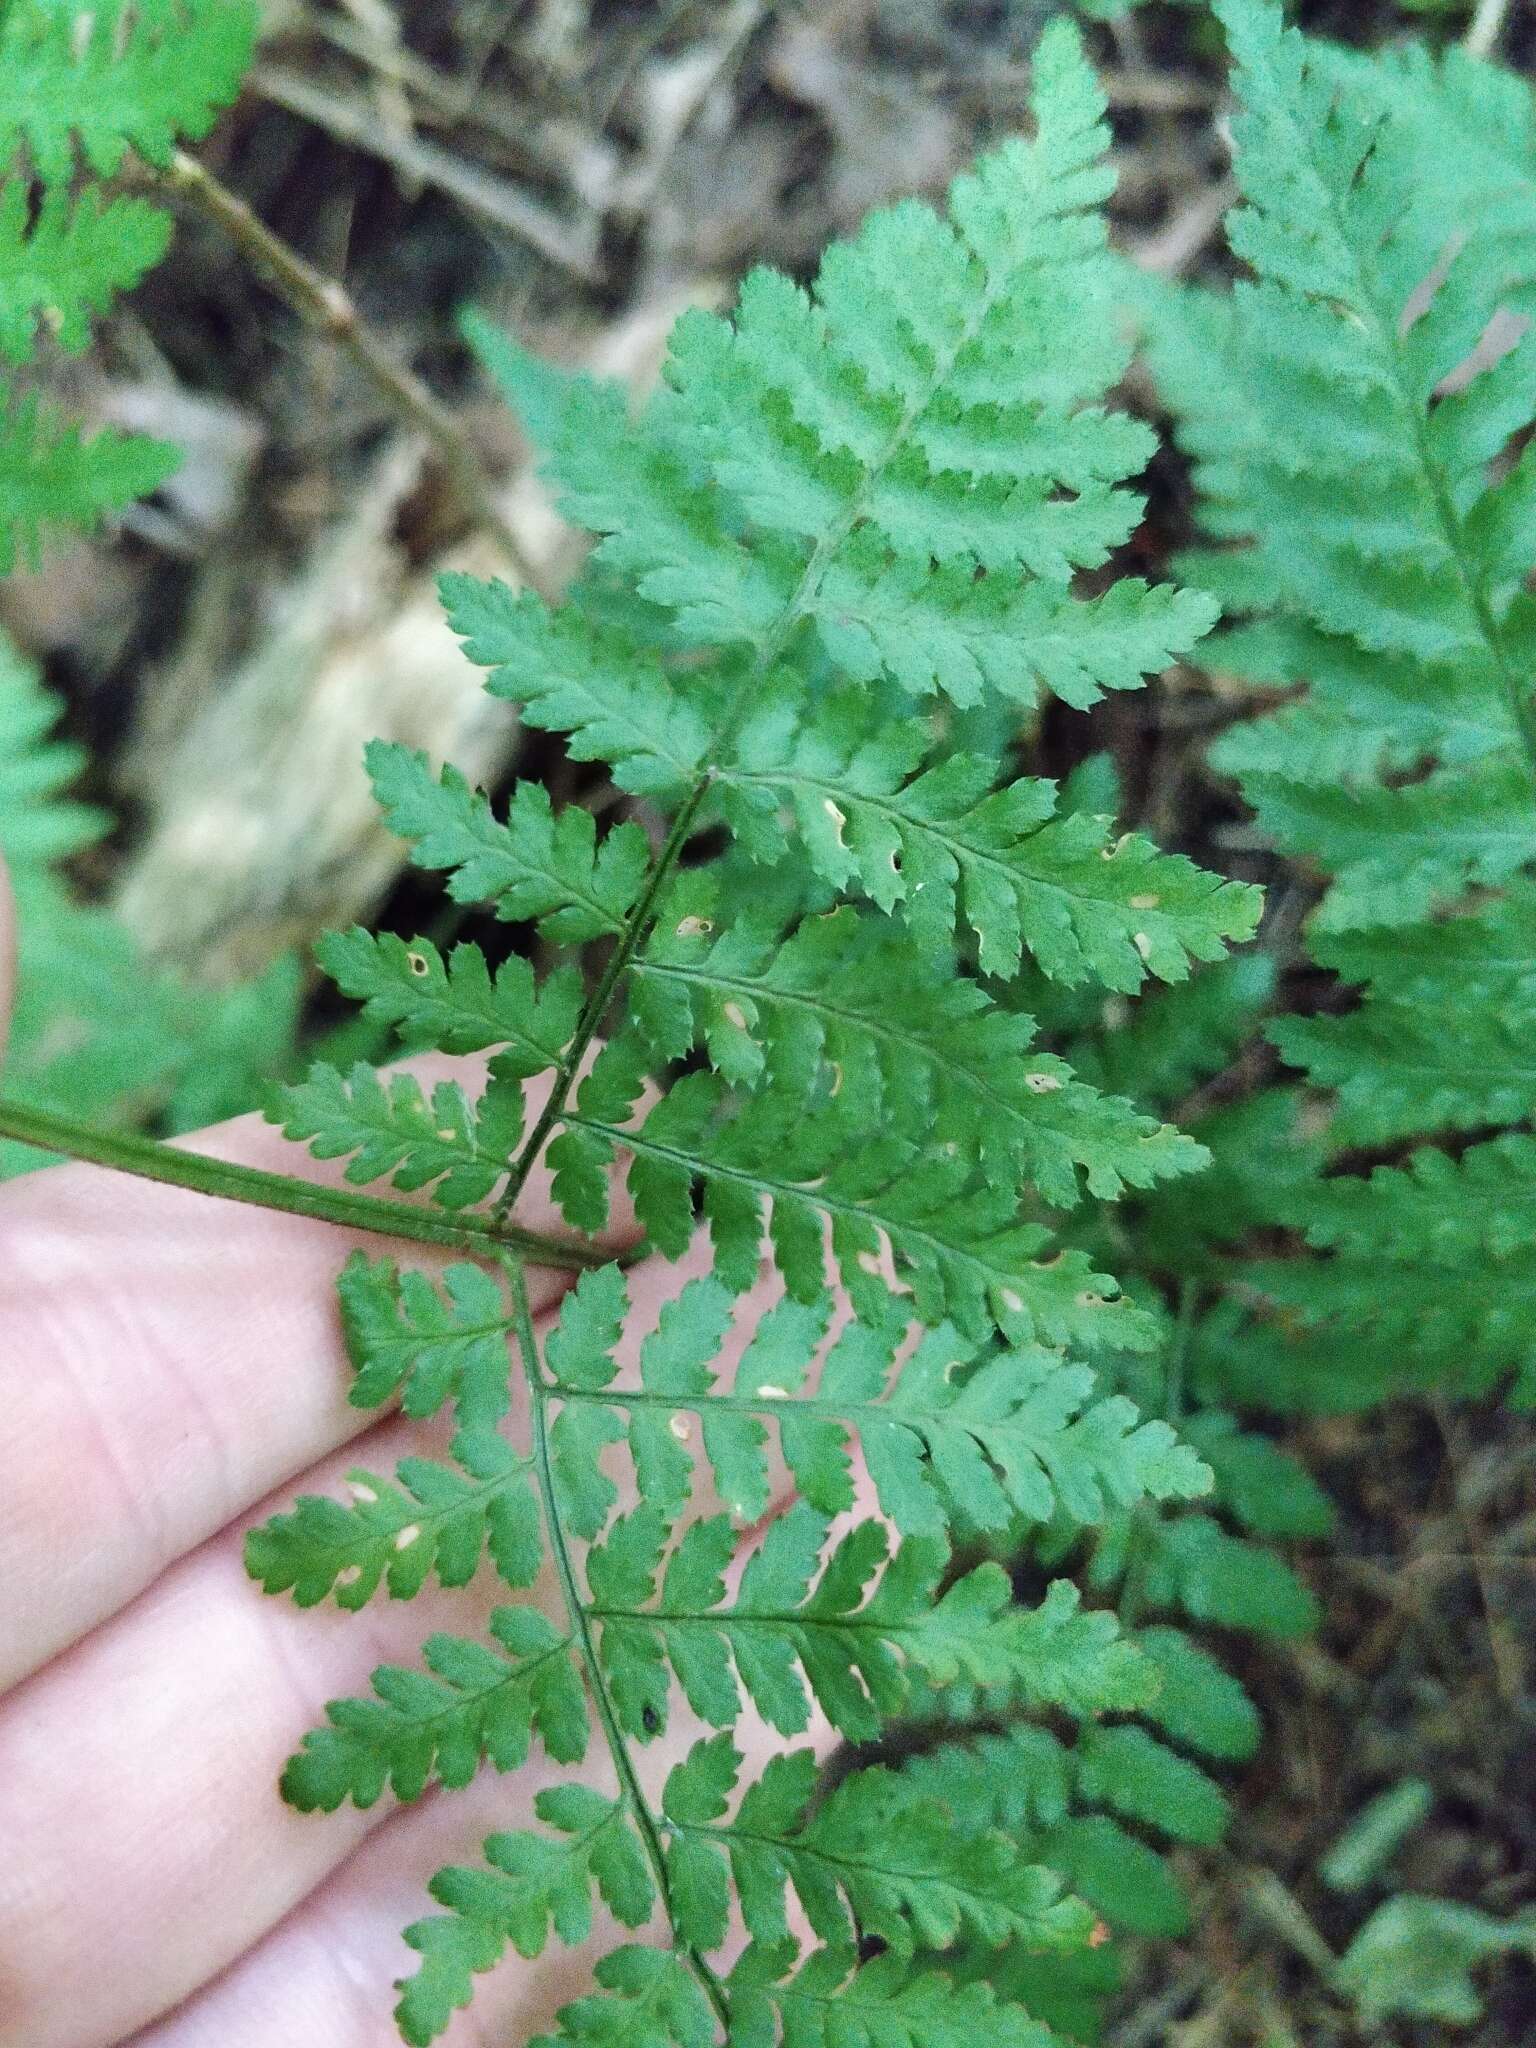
{"points": [[175, 1373]]}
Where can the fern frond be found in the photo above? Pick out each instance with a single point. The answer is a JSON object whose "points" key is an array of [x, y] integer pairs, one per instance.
{"points": [[453, 1002], [39, 822], [956, 1429], [427, 1344], [958, 854], [1195, 1701], [458, 1148], [887, 2000], [1428, 1266], [846, 1632], [883, 486], [131, 73], [1164, 1047], [1067, 1807], [1472, 128], [472, 1702], [1263, 1488], [98, 1032], [58, 479], [1413, 578], [613, 702], [69, 261], [1190, 1564], [872, 1857], [648, 1999], [1379, 469], [931, 1053], [808, 1166]]}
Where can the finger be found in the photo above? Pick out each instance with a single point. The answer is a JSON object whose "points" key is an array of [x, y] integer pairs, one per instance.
{"points": [[173, 1359], [148, 1755], [326, 1975], [148, 1758]]}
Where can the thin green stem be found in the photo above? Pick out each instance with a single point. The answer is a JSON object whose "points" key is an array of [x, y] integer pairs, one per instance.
{"points": [[597, 1004], [149, 1159], [579, 1620]]}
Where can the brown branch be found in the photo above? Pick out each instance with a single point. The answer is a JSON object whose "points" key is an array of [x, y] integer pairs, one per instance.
{"points": [[326, 307], [1487, 27]]}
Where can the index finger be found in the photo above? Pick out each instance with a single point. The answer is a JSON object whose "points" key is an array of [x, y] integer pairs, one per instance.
{"points": [[171, 1358]]}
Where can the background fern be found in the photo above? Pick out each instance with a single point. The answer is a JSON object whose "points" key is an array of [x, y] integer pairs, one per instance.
{"points": [[99, 1033], [84, 88], [1385, 540]]}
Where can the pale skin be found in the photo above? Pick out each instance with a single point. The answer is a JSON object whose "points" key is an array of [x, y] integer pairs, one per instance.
{"points": [[174, 1373]]}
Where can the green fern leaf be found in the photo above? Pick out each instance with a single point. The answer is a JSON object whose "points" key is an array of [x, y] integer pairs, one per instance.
{"points": [[534, 865], [1191, 1563], [98, 1033], [405, 1337], [956, 853], [69, 261], [39, 822], [886, 2000], [798, 1628], [988, 1435], [834, 1856], [887, 483], [134, 73], [649, 1999], [431, 1520], [455, 1004], [1195, 1701], [471, 1702], [462, 1150], [56, 479], [535, 1886], [929, 1051], [614, 705], [955, 1236]]}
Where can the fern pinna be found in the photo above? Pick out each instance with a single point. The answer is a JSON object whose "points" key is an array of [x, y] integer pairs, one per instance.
{"points": [[1374, 478], [852, 518], [94, 83]]}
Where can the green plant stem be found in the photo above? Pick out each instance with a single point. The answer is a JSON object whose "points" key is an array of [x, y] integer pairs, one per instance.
{"points": [[579, 1620], [597, 1004], [149, 1159]]}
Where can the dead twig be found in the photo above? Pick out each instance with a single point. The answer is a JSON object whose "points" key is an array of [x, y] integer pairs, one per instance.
{"points": [[1487, 27], [327, 307], [490, 199], [1173, 248]]}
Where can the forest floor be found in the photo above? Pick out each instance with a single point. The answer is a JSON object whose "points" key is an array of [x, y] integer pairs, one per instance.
{"points": [[582, 171]]}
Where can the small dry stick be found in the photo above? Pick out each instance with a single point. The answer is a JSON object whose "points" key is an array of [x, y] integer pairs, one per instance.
{"points": [[1487, 27], [327, 307]]}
